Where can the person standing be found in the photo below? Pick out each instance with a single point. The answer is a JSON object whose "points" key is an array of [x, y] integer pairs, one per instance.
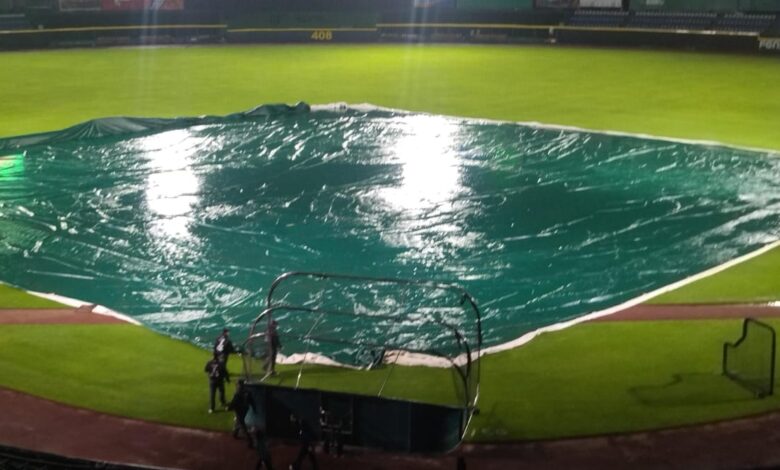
{"points": [[218, 375], [223, 347], [240, 405], [255, 423], [274, 345], [306, 439]]}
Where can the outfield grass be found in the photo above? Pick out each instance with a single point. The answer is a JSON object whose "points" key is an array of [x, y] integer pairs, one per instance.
{"points": [[754, 281], [570, 383], [124, 370], [599, 378], [677, 94], [11, 297]]}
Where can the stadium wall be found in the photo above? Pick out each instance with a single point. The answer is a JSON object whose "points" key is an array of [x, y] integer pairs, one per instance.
{"points": [[706, 5], [364, 21], [507, 5]]}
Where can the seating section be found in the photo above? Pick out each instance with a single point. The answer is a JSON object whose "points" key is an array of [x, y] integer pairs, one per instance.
{"points": [[672, 20], [745, 22], [10, 22], [599, 18]]}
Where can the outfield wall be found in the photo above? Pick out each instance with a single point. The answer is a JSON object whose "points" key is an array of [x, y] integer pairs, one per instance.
{"points": [[495, 4], [363, 21], [488, 33]]}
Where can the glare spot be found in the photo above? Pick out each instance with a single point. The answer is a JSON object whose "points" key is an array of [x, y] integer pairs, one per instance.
{"points": [[172, 186], [429, 193], [11, 166], [429, 165]]}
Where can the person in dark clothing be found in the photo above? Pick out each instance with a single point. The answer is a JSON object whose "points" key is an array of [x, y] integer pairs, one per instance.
{"points": [[274, 345], [218, 375], [306, 438], [262, 449], [256, 425], [240, 405], [334, 426], [223, 347]]}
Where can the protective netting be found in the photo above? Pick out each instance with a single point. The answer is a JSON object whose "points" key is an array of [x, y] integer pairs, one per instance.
{"points": [[427, 317], [374, 323], [366, 364], [182, 224], [751, 360]]}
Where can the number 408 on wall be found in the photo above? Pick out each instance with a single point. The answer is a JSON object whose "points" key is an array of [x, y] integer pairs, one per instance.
{"points": [[322, 35]]}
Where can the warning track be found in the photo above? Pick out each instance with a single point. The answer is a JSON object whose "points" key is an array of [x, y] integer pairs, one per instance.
{"points": [[82, 315]]}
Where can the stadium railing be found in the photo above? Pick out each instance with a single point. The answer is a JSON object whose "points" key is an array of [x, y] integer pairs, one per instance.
{"points": [[745, 22], [299, 21]]}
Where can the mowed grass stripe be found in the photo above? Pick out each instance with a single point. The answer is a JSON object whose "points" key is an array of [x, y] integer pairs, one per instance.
{"points": [[753, 281], [676, 94]]}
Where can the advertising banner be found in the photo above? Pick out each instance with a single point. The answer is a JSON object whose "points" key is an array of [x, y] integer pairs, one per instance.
{"points": [[769, 44], [79, 5], [601, 3], [433, 3], [556, 3], [113, 5], [494, 4]]}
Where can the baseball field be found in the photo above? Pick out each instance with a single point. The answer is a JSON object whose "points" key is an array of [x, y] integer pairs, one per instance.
{"points": [[590, 379]]}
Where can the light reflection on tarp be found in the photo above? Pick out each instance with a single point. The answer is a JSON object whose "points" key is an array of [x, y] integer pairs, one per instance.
{"points": [[11, 166], [172, 186], [422, 208], [185, 229]]}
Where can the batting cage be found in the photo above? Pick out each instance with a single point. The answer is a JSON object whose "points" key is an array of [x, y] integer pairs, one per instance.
{"points": [[751, 360], [371, 362]]}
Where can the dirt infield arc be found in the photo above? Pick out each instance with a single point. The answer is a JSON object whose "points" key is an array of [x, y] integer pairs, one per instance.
{"points": [[80, 315], [692, 312], [34, 423]]}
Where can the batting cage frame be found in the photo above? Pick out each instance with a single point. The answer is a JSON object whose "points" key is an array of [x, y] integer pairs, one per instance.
{"points": [[750, 363], [330, 323]]}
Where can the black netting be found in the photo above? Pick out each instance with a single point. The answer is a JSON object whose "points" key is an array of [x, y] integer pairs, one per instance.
{"points": [[751, 360], [369, 323]]}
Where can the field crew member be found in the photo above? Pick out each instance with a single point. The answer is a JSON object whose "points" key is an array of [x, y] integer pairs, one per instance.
{"points": [[223, 347]]}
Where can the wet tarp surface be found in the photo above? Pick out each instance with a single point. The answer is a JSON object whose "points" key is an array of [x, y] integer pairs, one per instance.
{"points": [[183, 224]]}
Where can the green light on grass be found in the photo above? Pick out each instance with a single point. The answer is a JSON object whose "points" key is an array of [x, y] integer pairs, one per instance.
{"points": [[11, 165]]}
